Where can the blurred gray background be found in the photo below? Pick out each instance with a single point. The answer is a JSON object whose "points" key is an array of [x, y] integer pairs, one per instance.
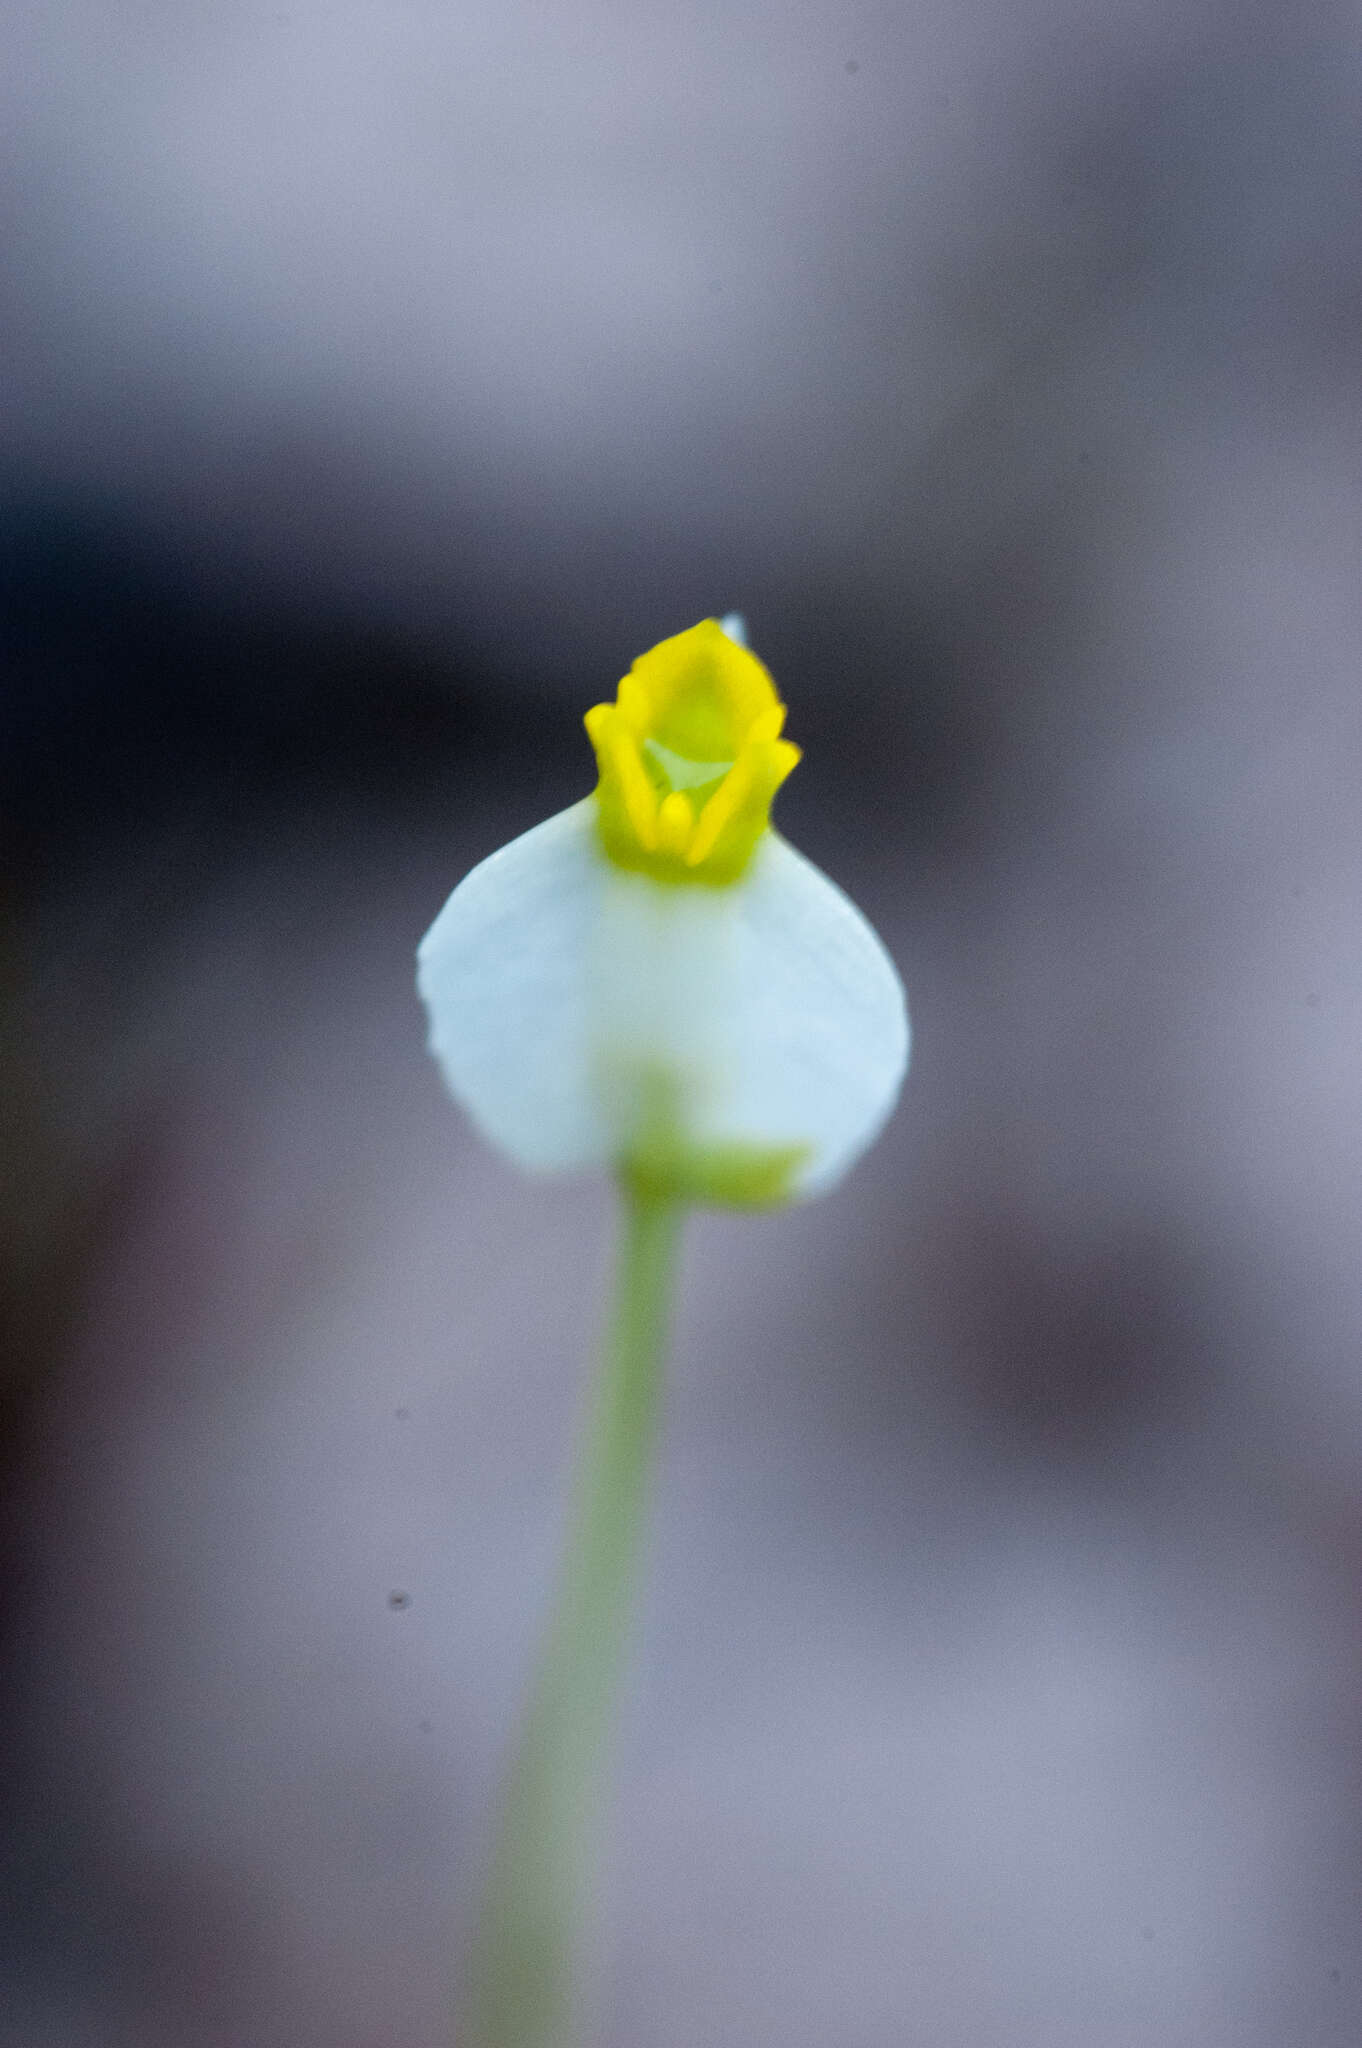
{"points": [[377, 382]]}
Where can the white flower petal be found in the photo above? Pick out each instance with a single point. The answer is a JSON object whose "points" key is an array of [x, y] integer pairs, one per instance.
{"points": [[560, 988], [820, 1035], [503, 972]]}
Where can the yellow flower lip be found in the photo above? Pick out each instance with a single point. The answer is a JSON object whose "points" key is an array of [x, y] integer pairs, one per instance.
{"points": [[690, 757]]}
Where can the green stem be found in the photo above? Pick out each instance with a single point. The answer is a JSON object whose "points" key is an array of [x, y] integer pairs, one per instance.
{"points": [[525, 1968]]}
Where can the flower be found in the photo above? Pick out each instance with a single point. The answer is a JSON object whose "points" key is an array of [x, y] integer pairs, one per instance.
{"points": [[654, 980]]}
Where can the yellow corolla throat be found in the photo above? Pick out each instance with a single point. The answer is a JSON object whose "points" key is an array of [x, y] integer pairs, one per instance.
{"points": [[690, 756]]}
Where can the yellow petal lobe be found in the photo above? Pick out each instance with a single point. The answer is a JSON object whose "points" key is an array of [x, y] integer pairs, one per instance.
{"points": [[690, 758]]}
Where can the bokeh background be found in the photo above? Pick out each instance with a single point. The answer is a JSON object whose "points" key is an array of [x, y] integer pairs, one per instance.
{"points": [[378, 380]]}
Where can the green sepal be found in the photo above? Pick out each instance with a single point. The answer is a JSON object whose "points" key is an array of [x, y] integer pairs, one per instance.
{"points": [[716, 1176], [663, 1164]]}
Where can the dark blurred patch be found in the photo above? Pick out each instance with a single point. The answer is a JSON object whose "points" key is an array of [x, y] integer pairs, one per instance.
{"points": [[52, 1223], [134, 689], [56, 1926], [137, 689], [140, 694], [81, 1914]]}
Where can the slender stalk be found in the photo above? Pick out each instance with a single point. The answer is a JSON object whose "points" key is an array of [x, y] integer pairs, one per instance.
{"points": [[524, 1979]]}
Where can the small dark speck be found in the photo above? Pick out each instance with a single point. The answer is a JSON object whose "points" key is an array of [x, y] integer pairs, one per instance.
{"points": [[399, 1599], [1335, 1974], [1146, 1934], [424, 1726], [402, 1413], [1085, 457], [852, 65]]}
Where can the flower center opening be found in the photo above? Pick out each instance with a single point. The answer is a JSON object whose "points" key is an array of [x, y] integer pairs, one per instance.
{"points": [[677, 772]]}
